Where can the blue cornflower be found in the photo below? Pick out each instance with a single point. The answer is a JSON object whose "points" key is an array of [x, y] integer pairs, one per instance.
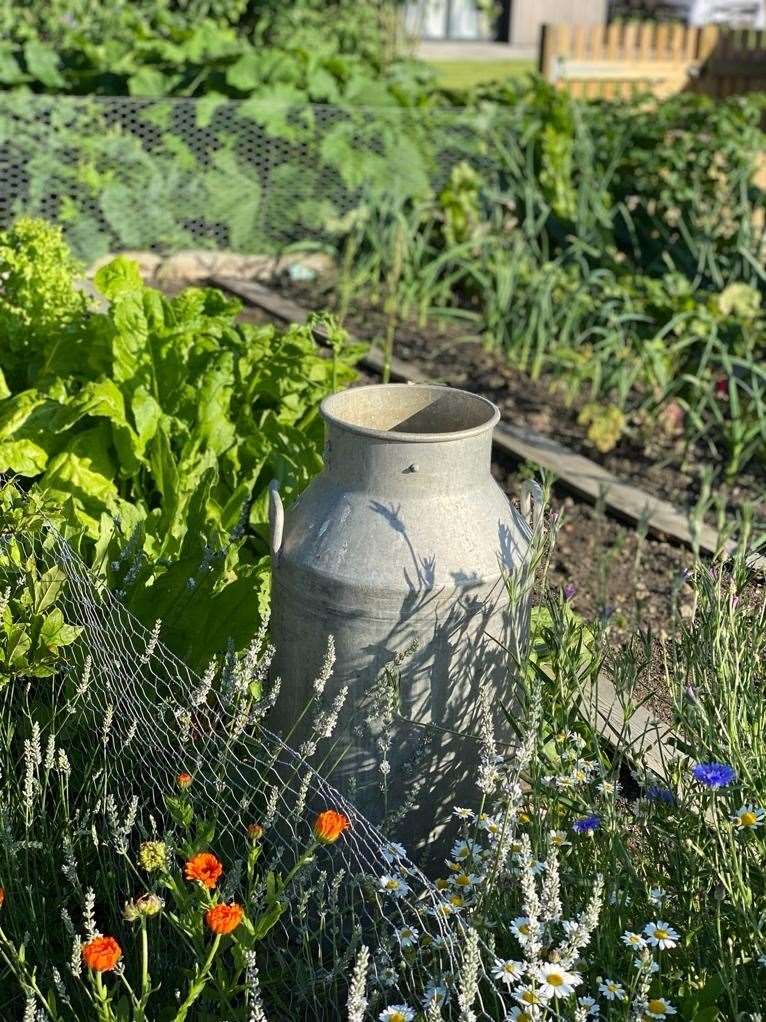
{"points": [[586, 825], [657, 793], [714, 775]]}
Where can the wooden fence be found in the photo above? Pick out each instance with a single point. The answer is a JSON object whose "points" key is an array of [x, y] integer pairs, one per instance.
{"points": [[617, 60]]}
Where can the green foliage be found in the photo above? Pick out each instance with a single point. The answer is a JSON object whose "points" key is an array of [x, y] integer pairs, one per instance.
{"points": [[161, 422], [33, 629], [38, 299], [222, 48]]}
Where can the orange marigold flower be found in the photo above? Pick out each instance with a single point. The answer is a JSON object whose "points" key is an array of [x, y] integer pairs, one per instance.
{"points": [[329, 826], [255, 831], [224, 918], [184, 780], [2, 896], [101, 954], [204, 868]]}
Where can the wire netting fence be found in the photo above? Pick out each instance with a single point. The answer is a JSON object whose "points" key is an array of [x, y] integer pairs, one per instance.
{"points": [[126, 715], [252, 176]]}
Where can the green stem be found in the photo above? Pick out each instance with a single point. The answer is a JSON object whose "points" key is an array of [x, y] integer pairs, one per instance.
{"points": [[103, 1006], [199, 983]]}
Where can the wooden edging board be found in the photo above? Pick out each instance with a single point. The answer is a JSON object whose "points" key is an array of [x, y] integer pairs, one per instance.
{"points": [[576, 472], [641, 737]]}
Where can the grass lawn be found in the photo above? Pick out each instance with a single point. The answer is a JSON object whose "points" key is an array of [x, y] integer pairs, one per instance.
{"points": [[462, 74]]}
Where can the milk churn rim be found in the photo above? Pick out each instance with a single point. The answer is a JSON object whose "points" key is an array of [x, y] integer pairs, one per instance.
{"points": [[493, 412]]}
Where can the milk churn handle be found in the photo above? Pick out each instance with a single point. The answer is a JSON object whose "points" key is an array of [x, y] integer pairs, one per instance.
{"points": [[532, 503], [276, 518]]}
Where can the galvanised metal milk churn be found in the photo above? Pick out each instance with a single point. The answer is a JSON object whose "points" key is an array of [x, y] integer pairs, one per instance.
{"points": [[403, 543]]}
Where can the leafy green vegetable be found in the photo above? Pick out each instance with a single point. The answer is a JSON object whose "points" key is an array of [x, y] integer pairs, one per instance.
{"points": [[160, 422]]}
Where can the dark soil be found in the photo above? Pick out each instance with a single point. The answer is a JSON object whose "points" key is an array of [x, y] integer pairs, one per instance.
{"points": [[647, 455], [635, 580]]}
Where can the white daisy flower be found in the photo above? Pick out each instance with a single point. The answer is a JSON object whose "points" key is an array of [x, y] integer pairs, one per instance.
{"points": [[392, 851], [465, 880], [443, 910], [590, 1004], [408, 936], [633, 939], [397, 1013], [394, 885], [490, 824], [521, 929], [463, 850], [556, 982], [641, 964], [463, 814], [517, 1014], [529, 996], [661, 935], [749, 817], [537, 867], [508, 970], [657, 895], [611, 989], [436, 994], [658, 1007], [558, 838]]}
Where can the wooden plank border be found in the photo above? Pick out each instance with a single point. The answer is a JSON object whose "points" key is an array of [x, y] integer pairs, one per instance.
{"points": [[578, 473]]}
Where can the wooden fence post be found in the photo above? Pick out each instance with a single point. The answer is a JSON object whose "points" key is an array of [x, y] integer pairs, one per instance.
{"points": [[547, 52]]}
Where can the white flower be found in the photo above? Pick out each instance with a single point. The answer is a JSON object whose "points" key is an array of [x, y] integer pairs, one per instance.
{"points": [[749, 817], [389, 977], [408, 936], [490, 824], [521, 929], [611, 989], [556, 982], [633, 939], [465, 880], [397, 1013], [558, 838], [590, 1004], [529, 996], [537, 867], [392, 851], [463, 850], [463, 814], [658, 1007], [661, 935], [517, 1014], [523, 1014], [570, 926], [394, 885], [435, 994], [508, 970], [641, 964], [656, 895], [443, 910]]}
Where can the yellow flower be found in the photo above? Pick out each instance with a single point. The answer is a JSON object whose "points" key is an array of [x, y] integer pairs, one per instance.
{"points": [[749, 817], [153, 856]]}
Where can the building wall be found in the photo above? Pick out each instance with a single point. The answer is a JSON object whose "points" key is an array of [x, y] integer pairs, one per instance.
{"points": [[528, 15]]}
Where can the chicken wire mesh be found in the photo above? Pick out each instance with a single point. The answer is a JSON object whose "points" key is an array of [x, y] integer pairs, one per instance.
{"points": [[139, 716], [252, 176]]}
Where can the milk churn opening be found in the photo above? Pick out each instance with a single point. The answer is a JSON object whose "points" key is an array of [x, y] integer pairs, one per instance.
{"points": [[413, 412]]}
